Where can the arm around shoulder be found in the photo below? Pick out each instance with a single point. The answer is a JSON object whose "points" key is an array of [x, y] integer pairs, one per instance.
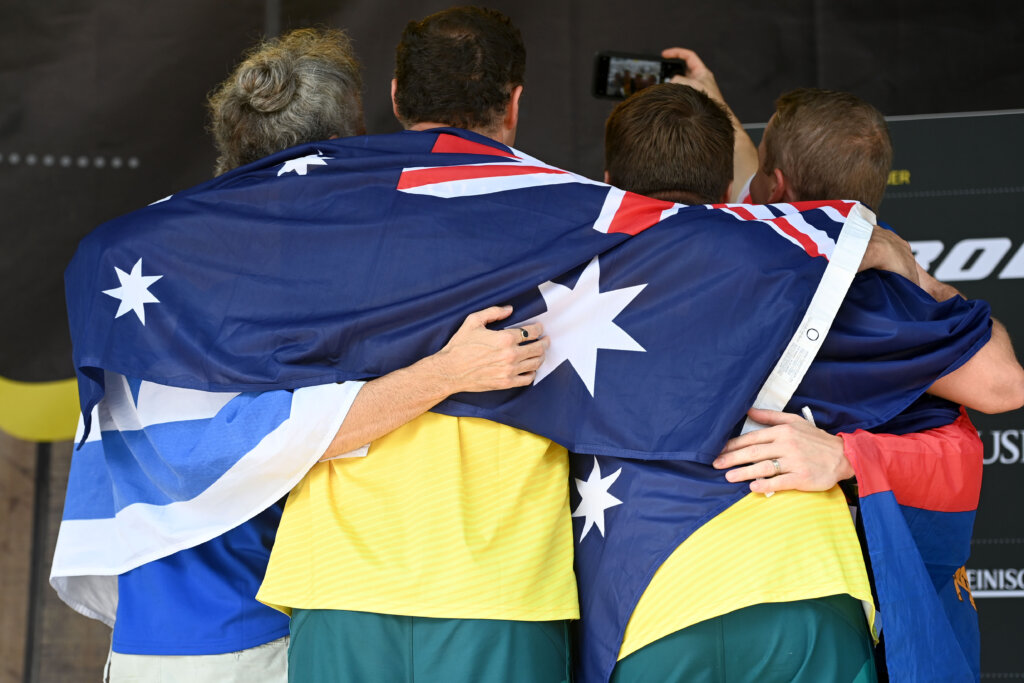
{"points": [[475, 359], [992, 381]]}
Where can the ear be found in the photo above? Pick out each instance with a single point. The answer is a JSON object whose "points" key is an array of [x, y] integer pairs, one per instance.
{"points": [[779, 187], [607, 178], [511, 120], [394, 105], [727, 197]]}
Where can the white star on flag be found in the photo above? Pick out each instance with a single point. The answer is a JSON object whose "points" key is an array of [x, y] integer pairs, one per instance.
{"points": [[302, 164], [134, 291], [595, 499], [579, 322]]}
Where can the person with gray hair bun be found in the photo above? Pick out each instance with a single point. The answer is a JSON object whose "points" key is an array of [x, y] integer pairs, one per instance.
{"points": [[192, 615], [302, 87]]}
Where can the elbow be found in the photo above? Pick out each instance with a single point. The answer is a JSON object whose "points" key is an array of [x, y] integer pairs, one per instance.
{"points": [[1005, 394]]}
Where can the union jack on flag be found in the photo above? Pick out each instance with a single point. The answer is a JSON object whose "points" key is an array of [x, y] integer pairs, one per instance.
{"points": [[347, 259]]}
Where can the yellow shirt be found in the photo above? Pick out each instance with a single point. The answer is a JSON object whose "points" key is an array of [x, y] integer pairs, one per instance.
{"points": [[445, 517], [791, 546]]}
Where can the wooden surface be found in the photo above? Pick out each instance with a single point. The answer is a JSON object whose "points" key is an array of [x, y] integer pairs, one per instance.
{"points": [[63, 646], [17, 481]]}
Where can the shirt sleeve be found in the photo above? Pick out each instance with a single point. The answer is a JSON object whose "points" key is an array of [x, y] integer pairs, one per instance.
{"points": [[937, 469]]}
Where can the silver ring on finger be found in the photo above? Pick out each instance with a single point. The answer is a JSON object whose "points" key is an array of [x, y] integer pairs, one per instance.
{"points": [[777, 466]]}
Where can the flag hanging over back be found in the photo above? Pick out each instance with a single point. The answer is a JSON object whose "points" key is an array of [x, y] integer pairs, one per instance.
{"points": [[350, 258]]}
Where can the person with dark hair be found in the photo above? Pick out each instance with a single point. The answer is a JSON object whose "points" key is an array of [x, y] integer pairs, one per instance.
{"points": [[666, 622], [464, 67], [651, 142], [192, 614], [424, 560]]}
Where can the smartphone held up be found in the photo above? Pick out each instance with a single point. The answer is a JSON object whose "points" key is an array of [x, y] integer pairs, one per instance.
{"points": [[617, 75]]}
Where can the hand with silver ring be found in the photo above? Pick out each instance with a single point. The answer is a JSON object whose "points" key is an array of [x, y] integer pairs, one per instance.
{"points": [[815, 459], [480, 359]]}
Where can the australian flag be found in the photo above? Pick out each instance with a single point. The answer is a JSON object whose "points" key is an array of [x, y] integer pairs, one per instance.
{"points": [[347, 259]]}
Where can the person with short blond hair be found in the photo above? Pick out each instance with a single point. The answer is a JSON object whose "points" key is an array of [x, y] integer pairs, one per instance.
{"points": [[823, 144]]}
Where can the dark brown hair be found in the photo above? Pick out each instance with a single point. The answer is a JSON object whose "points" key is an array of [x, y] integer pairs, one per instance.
{"points": [[667, 139], [458, 67]]}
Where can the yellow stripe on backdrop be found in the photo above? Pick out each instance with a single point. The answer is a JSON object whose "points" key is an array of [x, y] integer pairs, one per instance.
{"points": [[39, 411]]}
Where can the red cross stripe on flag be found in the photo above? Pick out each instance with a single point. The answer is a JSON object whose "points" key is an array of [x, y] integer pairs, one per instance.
{"points": [[622, 212], [791, 225]]}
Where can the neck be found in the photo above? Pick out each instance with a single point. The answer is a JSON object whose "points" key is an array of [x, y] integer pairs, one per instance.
{"points": [[488, 133], [680, 196]]}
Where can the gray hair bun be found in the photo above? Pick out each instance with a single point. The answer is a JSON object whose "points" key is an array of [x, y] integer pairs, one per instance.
{"points": [[269, 84]]}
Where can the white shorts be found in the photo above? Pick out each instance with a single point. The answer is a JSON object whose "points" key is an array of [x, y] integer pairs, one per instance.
{"points": [[266, 663]]}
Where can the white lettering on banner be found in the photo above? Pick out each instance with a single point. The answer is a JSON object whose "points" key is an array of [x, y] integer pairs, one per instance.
{"points": [[1004, 447], [996, 583], [975, 258], [926, 251]]}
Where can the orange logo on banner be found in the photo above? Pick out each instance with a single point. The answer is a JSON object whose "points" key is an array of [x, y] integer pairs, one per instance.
{"points": [[960, 580]]}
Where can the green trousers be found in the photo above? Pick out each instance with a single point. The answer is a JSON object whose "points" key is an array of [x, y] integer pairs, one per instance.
{"points": [[333, 646], [808, 641]]}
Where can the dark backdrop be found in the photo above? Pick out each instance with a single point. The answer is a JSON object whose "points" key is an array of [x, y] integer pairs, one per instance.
{"points": [[101, 101], [102, 111]]}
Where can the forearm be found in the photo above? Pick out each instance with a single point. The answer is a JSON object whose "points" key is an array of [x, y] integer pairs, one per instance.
{"points": [[474, 359], [386, 403], [939, 291], [744, 158], [698, 76], [992, 381]]}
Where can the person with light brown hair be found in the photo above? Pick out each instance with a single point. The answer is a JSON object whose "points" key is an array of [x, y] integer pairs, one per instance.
{"points": [[822, 144], [823, 628]]}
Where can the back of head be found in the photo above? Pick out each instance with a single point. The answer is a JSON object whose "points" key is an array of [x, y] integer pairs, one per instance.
{"points": [[672, 142], [829, 145], [302, 87], [459, 68]]}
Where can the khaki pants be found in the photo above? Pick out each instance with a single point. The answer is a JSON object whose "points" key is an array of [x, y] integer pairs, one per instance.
{"points": [[262, 664]]}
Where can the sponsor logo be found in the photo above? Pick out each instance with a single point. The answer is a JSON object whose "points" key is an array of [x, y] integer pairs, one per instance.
{"points": [[898, 176], [960, 580], [975, 258], [995, 583], [1003, 446]]}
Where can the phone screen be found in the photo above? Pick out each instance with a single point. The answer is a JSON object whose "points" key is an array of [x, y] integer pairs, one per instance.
{"points": [[626, 76], [620, 75]]}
